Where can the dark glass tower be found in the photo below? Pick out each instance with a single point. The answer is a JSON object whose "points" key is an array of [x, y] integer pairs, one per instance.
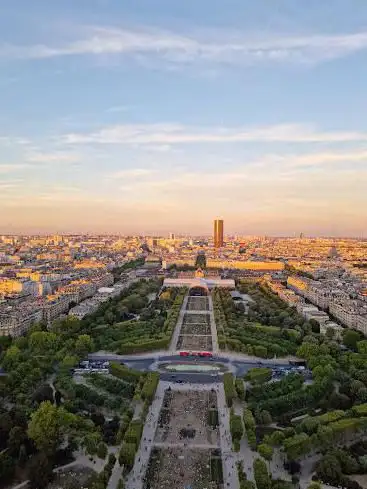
{"points": [[218, 233]]}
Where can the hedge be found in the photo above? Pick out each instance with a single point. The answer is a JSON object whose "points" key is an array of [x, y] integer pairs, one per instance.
{"points": [[216, 470], [236, 426], [134, 432], [229, 389], [150, 386], [213, 418], [240, 389], [124, 373], [259, 375]]}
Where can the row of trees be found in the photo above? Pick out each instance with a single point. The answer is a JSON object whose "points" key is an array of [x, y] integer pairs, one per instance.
{"points": [[238, 333], [131, 430], [236, 428], [250, 425], [229, 388]]}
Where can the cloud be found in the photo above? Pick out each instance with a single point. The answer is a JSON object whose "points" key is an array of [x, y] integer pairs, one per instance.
{"points": [[10, 167], [117, 108], [132, 173], [218, 47], [11, 141], [169, 134], [53, 157]]}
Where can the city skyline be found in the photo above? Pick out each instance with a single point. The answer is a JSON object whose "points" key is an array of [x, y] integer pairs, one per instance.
{"points": [[153, 117]]}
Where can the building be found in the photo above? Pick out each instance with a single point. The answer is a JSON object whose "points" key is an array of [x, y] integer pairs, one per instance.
{"points": [[218, 233], [205, 283], [55, 306], [16, 320]]}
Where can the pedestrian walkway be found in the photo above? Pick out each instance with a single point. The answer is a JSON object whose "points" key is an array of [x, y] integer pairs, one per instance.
{"points": [[230, 475], [136, 476]]}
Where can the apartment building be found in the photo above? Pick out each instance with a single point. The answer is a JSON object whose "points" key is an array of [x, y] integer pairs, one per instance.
{"points": [[352, 313], [16, 320], [10, 286], [55, 306]]}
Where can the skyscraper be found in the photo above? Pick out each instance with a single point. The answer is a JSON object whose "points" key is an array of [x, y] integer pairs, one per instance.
{"points": [[218, 233]]}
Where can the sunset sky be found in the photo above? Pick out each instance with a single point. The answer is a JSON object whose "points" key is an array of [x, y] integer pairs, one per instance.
{"points": [[151, 116]]}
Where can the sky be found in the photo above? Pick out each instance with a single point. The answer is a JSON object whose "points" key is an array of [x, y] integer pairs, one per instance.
{"points": [[157, 116]]}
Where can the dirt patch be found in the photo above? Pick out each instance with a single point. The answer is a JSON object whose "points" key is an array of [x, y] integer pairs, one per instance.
{"points": [[198, 304], [196, 343], [184, 418], [73, 478], [200, 328], [181, 468], [196, 324], [196, 318]]}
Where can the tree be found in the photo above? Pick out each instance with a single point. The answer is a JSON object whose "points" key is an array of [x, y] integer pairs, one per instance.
{"points": [[266, 451], [68, 362], [329, 470], [44, 427], [261, 474], [236, 427], [6, 466], [102, 451], [83, 345], [43, 341], [351, 338], [12, 357], [17, 437], [127, 455], [97, 418], [247, 485], [297, 445], [47, 426], [263, 417], [91, 443], [39, 471], [315, 485], [362, 347], [43, 393]]}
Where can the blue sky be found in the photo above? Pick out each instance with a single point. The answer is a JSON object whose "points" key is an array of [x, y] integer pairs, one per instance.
{"points": [[157, 115]]}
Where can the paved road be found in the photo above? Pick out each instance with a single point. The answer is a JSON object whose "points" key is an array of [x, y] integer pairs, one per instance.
{"points": [[162, 356], [196, 378], [239, 368]]}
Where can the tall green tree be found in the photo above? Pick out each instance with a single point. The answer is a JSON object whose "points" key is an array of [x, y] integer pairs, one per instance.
{"points": [[261, 475], [83, 345]]}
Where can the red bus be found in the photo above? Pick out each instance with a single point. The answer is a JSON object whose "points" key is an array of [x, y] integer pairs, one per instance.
{"points": [[196, 354]]}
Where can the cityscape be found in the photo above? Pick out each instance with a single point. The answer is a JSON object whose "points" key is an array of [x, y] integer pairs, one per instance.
{"points": [[183, 247]]}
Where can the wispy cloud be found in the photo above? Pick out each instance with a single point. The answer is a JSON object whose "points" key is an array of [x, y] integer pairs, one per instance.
{"points": [[53, 157], [167, 134], [117, 108], [131, 173], [12, 167], [222, 47]]}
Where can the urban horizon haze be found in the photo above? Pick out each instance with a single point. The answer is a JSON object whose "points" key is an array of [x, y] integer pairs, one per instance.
{"points": [[154, 117]]}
